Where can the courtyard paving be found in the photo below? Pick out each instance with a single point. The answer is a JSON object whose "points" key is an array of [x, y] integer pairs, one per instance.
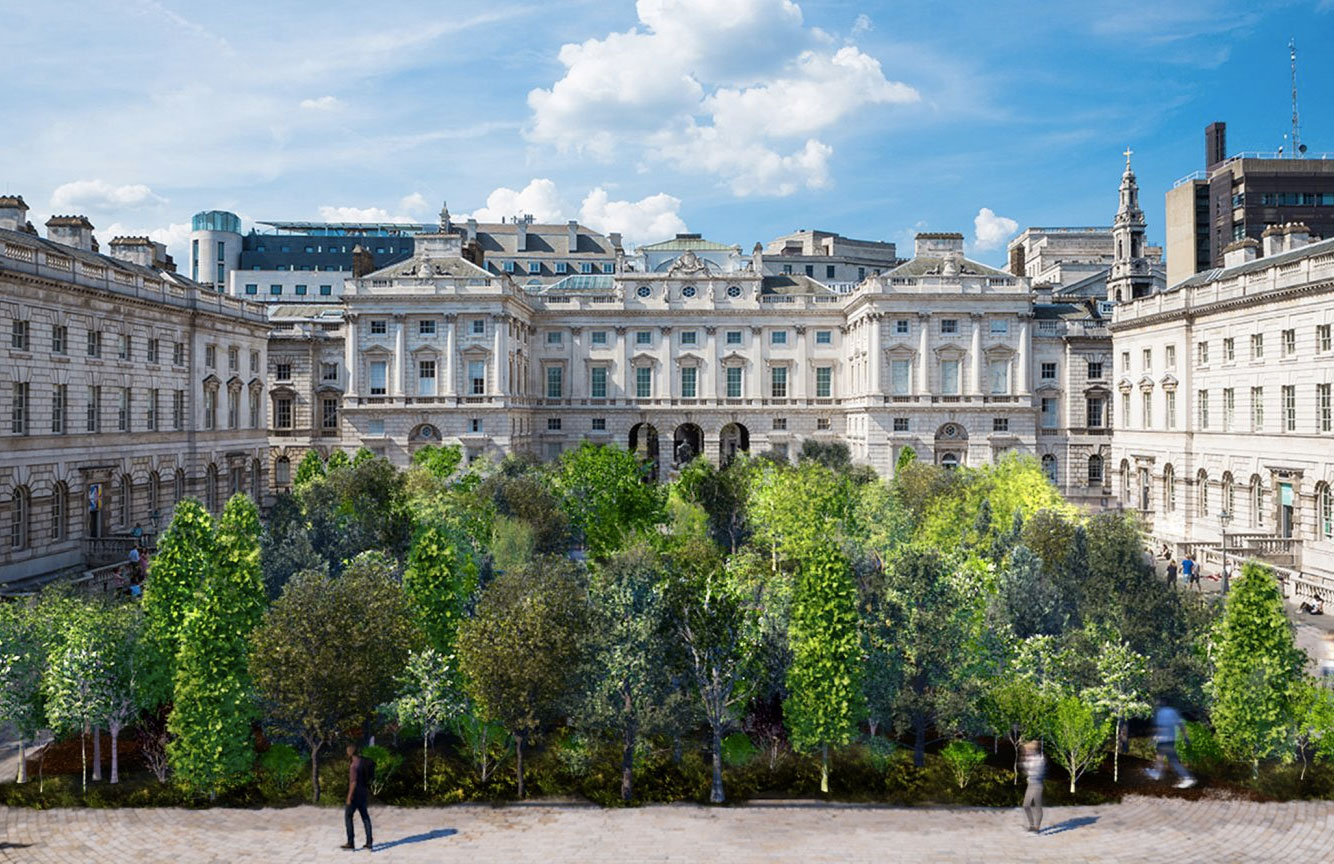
{"points": [[1139, 829]]}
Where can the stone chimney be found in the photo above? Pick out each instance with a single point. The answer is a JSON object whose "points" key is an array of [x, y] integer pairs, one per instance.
{"points": [[138, 250], [521, 232], [363, 261], [1042, 291], [757, 258], [938, 244], [472, 229], [1241, 251], [1017, 261], [74, 231], [1298, 235], [572, 236], [615, 238], [1273, 240], [13, 212]]}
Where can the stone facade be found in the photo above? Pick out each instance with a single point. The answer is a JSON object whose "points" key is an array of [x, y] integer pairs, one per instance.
{"points": [[123, 387]]}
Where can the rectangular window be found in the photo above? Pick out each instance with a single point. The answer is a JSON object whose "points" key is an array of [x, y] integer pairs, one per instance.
{"points": [[599, 337], [233, 409], [1095, 370], [1229, 409], [94, 343], [1146, 410], [1147, 360], [1094, 413], [60, 407], [123, 410], [901, 326], [379, 377], [1289, 343], [553, 424], [1000, 424], [329, 413], [59, 339], [608, 267], [252, 288], [824, 337], [733, 382], [598, 383], [949, 325], [1125, 411], [689, 337], [787, 269], [900, 424], [233, 359], [555, 337], [326, 290], [150, 416], [778, 337], [562, 267], [1201, 352], [425, 377], [329, 371], [1048, 371], [1229, 349], [254, 408], [254, 361], [1257, 346], [555, 381], [829, 271], [1170, 357], [94, 415], [689, 377], [1257, 409], [599, 423], [376, 427], [1202, 400], [477, 377], [778, 380], [824, 382], [19, 410], [534, 267], [1322, 337], [178, 354], [999, 326], [643, 337], [275, 290], [733, 337], [1000, 375], [1325, 406], [282, 413], [949, 377], [301, 290], [210, 409], [178, 410], [810, 269], [586, 267], [210, 356], [780, 424], [509, 266], [1289, 397], [643, 382], [19, 338], [1048, 412], [1171, 406], [379, 327], [283, 371], [426, 327], [900, 376], [478, 326], [152, 350]]}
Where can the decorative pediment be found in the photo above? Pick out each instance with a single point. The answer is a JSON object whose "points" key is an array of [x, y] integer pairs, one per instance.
{"points": [[235, 383], [689, 358], [735, 358], [327, 387], [998, 351], [475, 352], [1146, 383], [425, 351], [900, 352], [212, 381], [1125, 385], [256, 384], [644, 358], [377, 346], [1168, 382], [951, 352]]}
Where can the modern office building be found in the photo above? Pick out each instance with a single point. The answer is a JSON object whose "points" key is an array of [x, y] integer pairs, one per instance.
{"points": [[1240, 196], [839, 262], [125, 387]]}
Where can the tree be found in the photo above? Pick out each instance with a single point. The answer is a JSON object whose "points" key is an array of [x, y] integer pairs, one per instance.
{"points": [[603, 490], [441, 461], [1122, 692], [339, 459], [359, 507], [1314, 707], [22, 663], [329, 650], [520, 652], [440, 581], [833, 455], [722, 494], [211, 748], [310, 467], [123, 628], [185, 557], [825, 677], [629, 675], [429, 698], [78, 679], [1018, 710], [1026, 597], [1077, 736], [1256, 667]]}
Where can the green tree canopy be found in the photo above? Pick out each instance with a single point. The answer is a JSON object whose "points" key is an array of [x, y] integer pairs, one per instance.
{"points": [[602, 489], [440, 582], [186, 555]]}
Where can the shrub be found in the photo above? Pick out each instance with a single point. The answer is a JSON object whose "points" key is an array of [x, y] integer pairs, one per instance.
{"points": [[575, 754], [880, 751], [386, 763], [1200, 749], [963, 757], [280, 765], [738, 749]]}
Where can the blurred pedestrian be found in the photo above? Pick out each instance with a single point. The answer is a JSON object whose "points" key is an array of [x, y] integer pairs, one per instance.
{"points": [[360, 772], [1035, 769], [1166, 721], [1172, 572]]}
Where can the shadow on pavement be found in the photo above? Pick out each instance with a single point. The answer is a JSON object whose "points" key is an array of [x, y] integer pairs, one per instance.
{"points": [[1069, 825], [4, 845], [434, 834]]}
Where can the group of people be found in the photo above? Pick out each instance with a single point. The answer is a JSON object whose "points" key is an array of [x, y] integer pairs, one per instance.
{"points": [[1190, 570], [1166, 723]]}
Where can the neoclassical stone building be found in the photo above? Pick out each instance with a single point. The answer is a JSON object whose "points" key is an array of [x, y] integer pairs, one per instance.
{"points": [[124, 387], [1224, 416]]}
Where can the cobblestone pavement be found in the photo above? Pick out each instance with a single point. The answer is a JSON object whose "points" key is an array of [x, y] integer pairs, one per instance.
{"points": [[1139, 829]]}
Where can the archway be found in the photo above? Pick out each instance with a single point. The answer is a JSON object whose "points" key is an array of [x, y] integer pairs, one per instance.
{"points": [[687, 443], [951, 445], [421, 436], [733, 439], [644, 444]]}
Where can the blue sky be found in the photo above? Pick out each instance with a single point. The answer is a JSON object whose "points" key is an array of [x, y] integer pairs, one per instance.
{"points": [[741, 119]]}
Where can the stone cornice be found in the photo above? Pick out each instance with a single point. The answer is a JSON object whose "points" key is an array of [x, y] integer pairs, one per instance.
{"points": [[1189, 314]]}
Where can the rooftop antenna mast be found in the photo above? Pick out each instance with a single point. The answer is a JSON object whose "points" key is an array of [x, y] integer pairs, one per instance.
{"points": [[1297, 147]]}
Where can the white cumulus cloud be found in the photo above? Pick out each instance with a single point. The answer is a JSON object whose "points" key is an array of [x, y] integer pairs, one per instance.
{"points": [[360, 214], [414, 203], [656, 217], [323, 103], [101, 195], [538, 199], [991, 231], [176, 237], [738, 90]]}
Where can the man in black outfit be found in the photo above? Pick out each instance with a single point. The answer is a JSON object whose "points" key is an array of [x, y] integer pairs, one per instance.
{"points": [[358, 792]]}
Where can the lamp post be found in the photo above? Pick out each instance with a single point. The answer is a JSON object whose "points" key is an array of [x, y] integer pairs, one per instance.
{"points": [[1224, 517]]}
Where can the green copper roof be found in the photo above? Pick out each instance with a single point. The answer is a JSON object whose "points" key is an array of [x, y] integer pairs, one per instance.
{"points": [[687, 242]]}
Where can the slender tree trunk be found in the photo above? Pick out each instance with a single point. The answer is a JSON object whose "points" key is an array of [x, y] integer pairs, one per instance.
{"points": [[716, 791], [83, 756], [919, 741], [824, 768], [97, 754], [23, 764], [873, 724], [518, 760], [314, 772], [1014, 742], [628, 764], [425, 753], [115, 754], [1116, 754]]}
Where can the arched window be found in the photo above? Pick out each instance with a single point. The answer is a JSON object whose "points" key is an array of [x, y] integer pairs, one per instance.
{"points": [[1169, 489], [256, 481], [20, 506], [1049, 466], [1095, 470], [1257, 502], [949, 461], [59, 511], [178, 484], [1324, 510], [1229, 495], [153, 499], [126, 505], [282, 472], [211, 489], [1202, 492]]}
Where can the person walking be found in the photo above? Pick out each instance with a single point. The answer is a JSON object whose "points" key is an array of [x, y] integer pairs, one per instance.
{"points": [[1188, 569], [1166, 721], [1035, 769], [1172, 572], [360, 771]]}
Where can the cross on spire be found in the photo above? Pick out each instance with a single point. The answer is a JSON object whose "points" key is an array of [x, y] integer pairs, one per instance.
{"points": [[1127, 155]]}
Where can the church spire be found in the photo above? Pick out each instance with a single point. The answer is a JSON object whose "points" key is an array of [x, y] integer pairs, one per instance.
{"points": [[1130, 275]]}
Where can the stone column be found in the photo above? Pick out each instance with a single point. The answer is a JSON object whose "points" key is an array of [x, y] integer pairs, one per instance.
{"points": [[1025, 353], [668, 371], [923, 354], [975, 355], [448, 370], [802, 368], [877, 351], [709, 370], [627, 352], [576, 366], [499, 351], [398, 388], [351, 353], [756, 388]]}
